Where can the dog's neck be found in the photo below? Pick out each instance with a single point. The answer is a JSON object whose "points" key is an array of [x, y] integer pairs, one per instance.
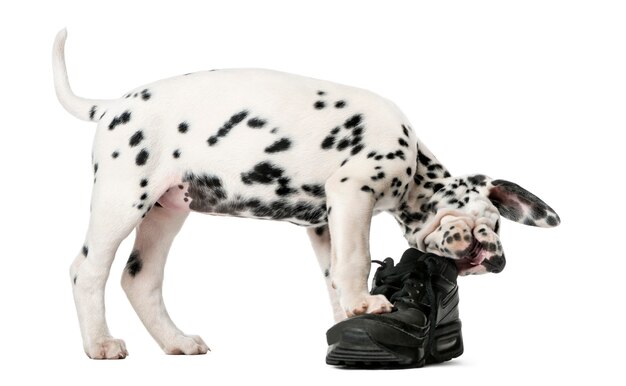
{"points": [[417, 205]]}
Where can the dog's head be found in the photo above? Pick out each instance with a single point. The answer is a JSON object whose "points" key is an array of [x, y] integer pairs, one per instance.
{"points": [[465, 220]]}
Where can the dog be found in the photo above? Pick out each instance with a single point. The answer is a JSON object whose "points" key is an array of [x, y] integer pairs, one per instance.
{"points": [[269, 145]]}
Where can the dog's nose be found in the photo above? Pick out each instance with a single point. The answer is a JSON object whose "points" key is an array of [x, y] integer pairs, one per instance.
{"points": [[495, 264]]}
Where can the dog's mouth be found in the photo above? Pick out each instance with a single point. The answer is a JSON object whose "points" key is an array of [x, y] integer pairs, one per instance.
{"points": [[471, 258], [475, 254], [479, 258]]}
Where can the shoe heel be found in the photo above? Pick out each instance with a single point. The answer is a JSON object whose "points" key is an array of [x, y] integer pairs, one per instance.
{"points": [[446, 343]]}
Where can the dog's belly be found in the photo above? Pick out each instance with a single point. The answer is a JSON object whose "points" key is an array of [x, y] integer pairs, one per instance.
{"points": [[207, 195]]}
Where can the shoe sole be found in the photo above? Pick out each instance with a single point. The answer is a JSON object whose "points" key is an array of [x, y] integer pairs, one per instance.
{"points": [[355, 347]]}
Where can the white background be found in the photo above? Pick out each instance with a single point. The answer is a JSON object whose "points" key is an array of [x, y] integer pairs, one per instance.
{"points": [[529, 91]]}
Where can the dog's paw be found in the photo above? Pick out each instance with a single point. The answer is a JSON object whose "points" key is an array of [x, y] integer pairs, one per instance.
{"points": [[369, 304], [107, 348], [186, 345]]}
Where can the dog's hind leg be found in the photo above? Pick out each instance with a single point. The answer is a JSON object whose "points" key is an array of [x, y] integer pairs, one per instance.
{"points": [[142, 280], [113, 217], [321, 243]]}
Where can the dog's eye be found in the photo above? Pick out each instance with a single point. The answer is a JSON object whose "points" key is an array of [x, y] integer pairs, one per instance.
{"points": [[495, 229]]}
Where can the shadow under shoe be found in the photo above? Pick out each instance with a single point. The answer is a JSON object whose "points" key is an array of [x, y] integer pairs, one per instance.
{"points": [[423, 328]]}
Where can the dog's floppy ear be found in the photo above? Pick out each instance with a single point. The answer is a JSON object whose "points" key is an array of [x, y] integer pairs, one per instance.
{"points": [[520, 205]]}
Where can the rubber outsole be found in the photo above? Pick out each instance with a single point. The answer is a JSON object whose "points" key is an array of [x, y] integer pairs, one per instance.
{"points": [[356, 347]]}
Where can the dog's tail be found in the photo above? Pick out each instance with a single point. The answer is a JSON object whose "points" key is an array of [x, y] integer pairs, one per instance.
{"points": [[82, 108]]}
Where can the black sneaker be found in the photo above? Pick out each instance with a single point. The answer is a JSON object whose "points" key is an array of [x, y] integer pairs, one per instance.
{"points": [[424, 326]]}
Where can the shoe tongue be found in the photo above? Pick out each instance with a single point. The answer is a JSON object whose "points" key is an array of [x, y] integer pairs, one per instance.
{"points": [[410, 260], [410, 254]]}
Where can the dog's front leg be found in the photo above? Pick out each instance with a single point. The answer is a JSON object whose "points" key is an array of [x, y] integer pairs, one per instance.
{"points": [[350, 211]]}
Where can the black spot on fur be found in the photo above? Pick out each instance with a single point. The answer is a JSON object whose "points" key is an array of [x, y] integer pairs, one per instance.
{"points": [[319, 105], [371, 154], [424, 160], [280, 145], [115, 154], [262, 173], [228, 126], [143, 183], [437, 187], [405, 130], [353, 121], [134, 264], [205, 190], [176, 153], [145, 94], [538, 212], [183, 127], [402, 142], [119, 120], [320, 230], [477, 179], [315, 190], [285, 190], [552, 221], [356, 149], [256, 123], [328, 142], [135, 139], [343, 144], [142, 157], [326, 272], [340, 104], [378, 157], [92, 112], [320, 92], [391, 156], [366, 188], [95, 168], [344, 179], [143, 196], [409, 172], [85, 250]]}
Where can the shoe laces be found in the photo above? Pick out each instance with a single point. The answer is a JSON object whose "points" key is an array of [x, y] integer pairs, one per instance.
{"points": [[402, 283]]}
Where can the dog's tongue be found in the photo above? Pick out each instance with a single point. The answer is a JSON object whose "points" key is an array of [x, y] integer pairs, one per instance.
{"points": [[474, 258]]}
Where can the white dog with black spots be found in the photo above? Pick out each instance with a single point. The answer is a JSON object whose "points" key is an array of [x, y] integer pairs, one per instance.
{"points": [[269, 145]]}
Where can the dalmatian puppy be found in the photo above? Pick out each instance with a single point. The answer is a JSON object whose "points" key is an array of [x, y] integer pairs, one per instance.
{"points": [[268, 145]]}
